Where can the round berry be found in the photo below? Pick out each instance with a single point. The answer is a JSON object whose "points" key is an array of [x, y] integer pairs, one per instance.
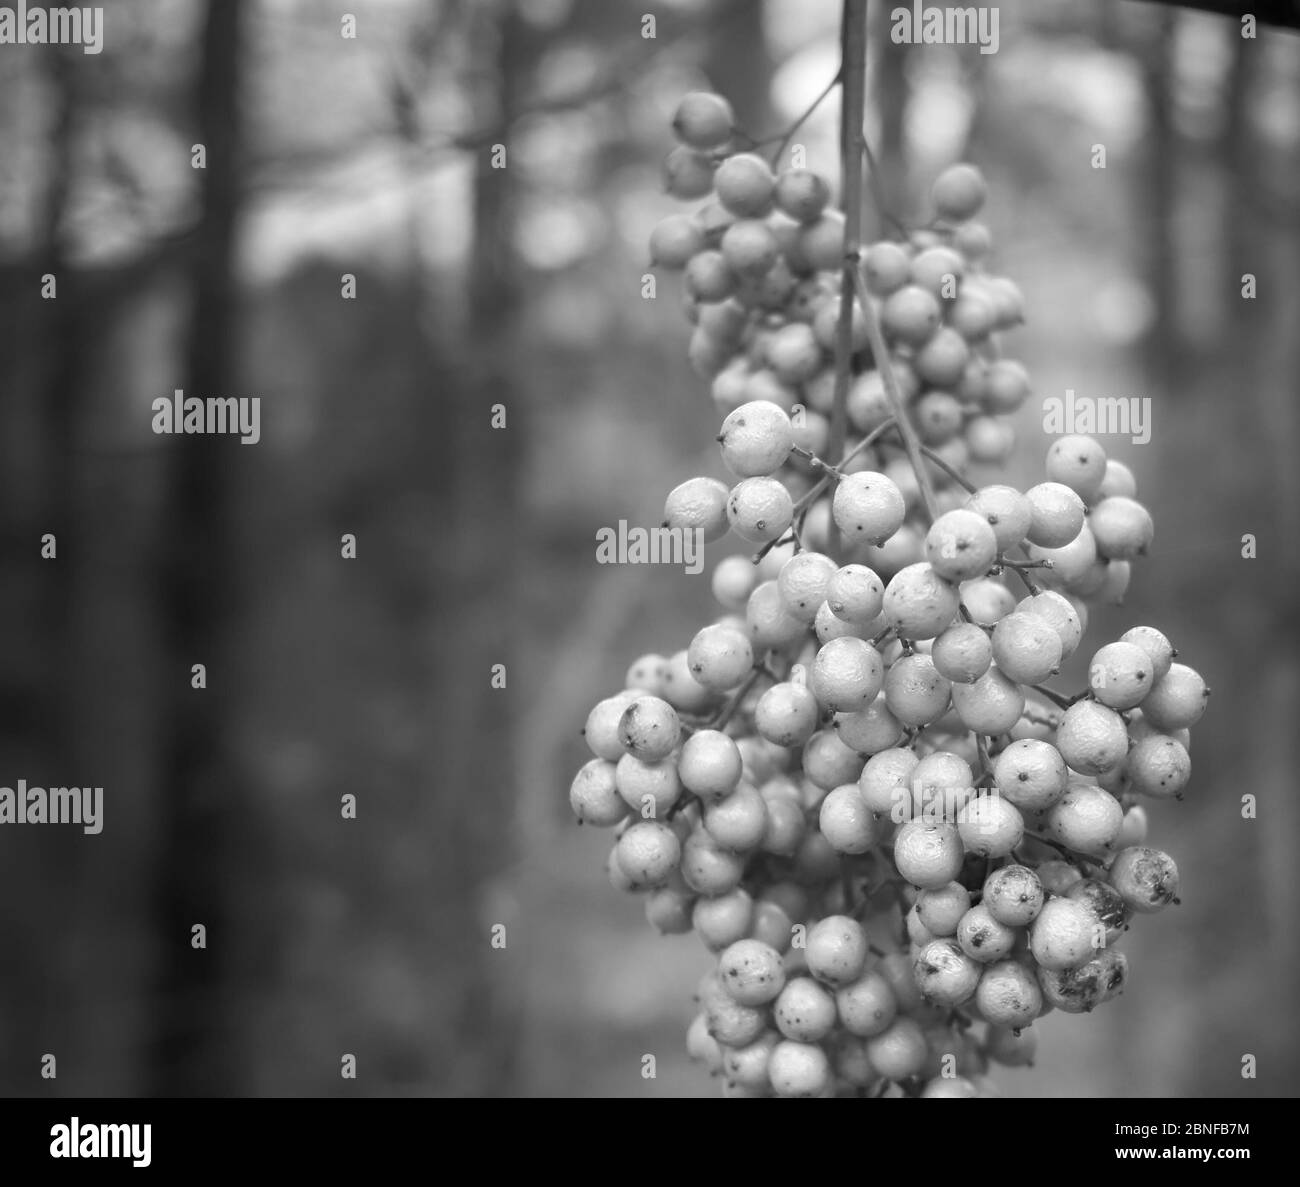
{"points": [[649, 729], [983, 938], [804, 1010], [961, 545], [973, 316], [759, 509], [941, 362], [803, 582], [649, 788], [1065, 934], [1118, 480], [1158, 766], [847, 674], [745, 185], [937, 269], [1087, 819], [1155, 645], [1007, 511], [990, 826], [1059, 611], [855, 594], [647, 674], [647, 853], [674, 240], [1008, 1046], [720, 657], [1008, 996], [1121, 675], [1147, 879], [1056, 514], [1122, 527], [919, 603], [594, 795], [945, 974], [734, 579], [991, 705], [752, 972], [703, 120], [1105, 902], [769, 623], [962, 653], [885, 781], [668, 910], [787, 714], [821, 243], [828, 761], [738, 821], [682, 690], [1177, 700], [1026, 647], [915, 692], [601, 731], [756, 439], [794, 353], [886, 268], [846, 821], [709, 764], [1078, 462], [1006, 386], [1079, 990], [748, 1068], [867, 507], [941, 910], [802, 194], [958, 192], [710, 278], [867, 1006], [799, 1069], [987, 600], [989, 439], [723, 919], [910, 315], [1092, 738], [900, 1051], [687, 174], [1031, 774], [707, 867], [836, 949], [1013, 895], [928, 855]]}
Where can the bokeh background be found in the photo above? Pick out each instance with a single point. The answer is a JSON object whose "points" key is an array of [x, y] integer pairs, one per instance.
{"points": [[371, 156]]}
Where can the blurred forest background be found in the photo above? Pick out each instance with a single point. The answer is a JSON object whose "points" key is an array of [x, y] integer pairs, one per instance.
{"points": [[372, 156]]}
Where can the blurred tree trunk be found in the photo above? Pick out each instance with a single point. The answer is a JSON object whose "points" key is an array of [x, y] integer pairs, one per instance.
{"points": [[474, 476], [195, 1049], [890, 100]]}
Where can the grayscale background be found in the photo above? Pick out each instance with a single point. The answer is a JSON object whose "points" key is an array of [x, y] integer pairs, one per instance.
{"points": [[521, 286]]}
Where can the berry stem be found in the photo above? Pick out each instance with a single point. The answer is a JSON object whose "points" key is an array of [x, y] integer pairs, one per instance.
{"points": [[1057, 699], [728, 711], [880, 352], [968, 487], [853, 111], [803, 119]]}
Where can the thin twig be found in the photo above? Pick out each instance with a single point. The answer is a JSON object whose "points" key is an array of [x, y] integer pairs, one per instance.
{"points": [[803, 119], [853, 110]]}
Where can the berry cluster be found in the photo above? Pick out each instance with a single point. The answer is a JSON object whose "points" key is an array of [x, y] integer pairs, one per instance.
{"points": [[855, 785]]}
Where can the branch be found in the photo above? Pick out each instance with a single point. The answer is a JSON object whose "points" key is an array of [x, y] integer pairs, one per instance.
{"points": [[853, 110]]}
